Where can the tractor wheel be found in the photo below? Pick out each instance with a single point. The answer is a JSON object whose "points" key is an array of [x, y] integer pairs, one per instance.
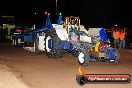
{"points": [[116, 59], [51, 49], [83, 58], [117, 56]]}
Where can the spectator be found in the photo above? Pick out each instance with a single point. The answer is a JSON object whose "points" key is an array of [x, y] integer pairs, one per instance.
{"points": [[122, 39], [116, 35]]}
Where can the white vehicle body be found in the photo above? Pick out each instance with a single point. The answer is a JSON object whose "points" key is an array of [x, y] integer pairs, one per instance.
{"points": [[94, 32], [63, 33], [40, 46]]}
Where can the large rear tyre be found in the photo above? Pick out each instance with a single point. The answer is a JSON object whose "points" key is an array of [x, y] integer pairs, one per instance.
{"points": [[51, 49]]}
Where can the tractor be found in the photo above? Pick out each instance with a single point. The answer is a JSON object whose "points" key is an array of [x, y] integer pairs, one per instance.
{"points": [[87, 46], [69, 36]]}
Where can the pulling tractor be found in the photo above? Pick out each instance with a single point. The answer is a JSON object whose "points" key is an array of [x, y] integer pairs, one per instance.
{"points": [[70, 36], [87, 46]]}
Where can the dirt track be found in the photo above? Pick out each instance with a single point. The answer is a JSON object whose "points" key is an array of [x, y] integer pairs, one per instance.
{"points": [[37, 71]]}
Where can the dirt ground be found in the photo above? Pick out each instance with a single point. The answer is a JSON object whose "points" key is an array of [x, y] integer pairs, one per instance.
{"points": [[8, 79], [38, 71]]}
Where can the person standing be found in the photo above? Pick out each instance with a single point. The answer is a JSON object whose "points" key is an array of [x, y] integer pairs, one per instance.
{"points": [[122, 39], [116, 35]]}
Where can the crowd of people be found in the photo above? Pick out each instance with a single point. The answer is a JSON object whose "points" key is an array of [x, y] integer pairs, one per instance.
{"points": [[119, 35]]}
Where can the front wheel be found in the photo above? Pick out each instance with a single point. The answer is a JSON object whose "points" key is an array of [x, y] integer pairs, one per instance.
{"points": [[114, 58], [83, 58]]}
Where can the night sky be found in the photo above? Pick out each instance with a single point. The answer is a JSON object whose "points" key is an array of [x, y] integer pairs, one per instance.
{"points": [[93, 13]]}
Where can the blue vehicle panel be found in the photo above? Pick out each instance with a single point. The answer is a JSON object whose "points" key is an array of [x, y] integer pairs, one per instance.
{"points": [[28, 38]]}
